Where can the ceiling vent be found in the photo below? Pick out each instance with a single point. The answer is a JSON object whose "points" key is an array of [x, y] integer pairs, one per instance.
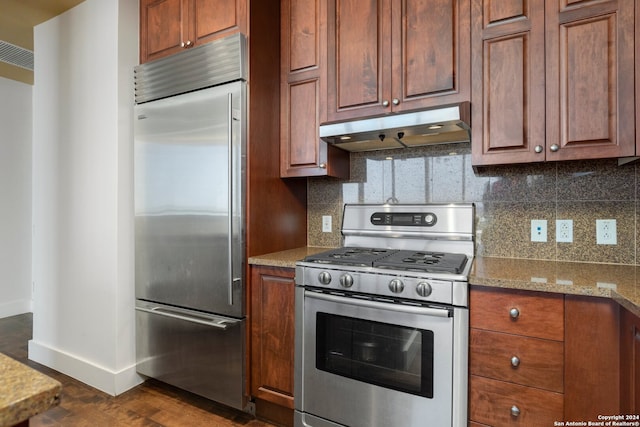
{"points": [[16, 55]]}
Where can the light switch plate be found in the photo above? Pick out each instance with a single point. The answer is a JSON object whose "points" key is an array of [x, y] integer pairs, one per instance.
{"points": [[538, 230], [326, 223]]}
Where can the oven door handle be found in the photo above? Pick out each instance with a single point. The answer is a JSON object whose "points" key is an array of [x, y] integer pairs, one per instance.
{"points": [[401, 308]]}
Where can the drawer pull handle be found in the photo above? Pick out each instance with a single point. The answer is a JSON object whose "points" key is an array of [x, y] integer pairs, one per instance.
{"points": [[515, 361], [515, 411], [514, 313]]}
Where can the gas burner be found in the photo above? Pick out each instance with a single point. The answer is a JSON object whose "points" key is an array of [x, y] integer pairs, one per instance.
{"points": [[432, 262], [363, 257]]}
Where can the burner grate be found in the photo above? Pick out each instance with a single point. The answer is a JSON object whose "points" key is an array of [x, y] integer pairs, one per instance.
{"points": [[363, 257], [432, 262]]}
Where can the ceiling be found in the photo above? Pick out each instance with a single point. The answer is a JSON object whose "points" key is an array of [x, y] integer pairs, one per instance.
{"points": [[17, 19]]}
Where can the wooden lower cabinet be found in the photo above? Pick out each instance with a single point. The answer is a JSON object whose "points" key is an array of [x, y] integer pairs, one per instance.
{"points": [[577, 357], [516, 357], [592, 357], [629, 363], [500, 403], [272, 342]]}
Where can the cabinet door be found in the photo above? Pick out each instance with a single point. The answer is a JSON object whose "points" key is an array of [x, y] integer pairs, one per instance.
{"points": [[163, 27], [592, 357], [430, 44], [590, 77], [217, 18], [303, 93], [359, 58], [272, 327], [508, 104], [630, 363]]}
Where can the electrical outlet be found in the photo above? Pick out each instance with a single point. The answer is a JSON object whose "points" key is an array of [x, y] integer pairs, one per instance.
{"points": [[606, 232], [564, 230], [326, 223], [538, 230]]}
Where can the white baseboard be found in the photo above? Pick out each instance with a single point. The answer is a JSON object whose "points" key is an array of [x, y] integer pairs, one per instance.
{"points": [[13, 308], [106, 380]]}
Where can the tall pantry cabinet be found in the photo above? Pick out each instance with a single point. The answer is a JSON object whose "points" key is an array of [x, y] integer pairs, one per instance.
{"points": [[552, 80]]}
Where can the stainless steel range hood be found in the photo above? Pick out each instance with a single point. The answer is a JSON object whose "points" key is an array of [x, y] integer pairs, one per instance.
{"points": [[441, 125]]}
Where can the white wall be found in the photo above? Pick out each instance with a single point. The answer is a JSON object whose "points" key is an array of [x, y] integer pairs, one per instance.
{"points": [[83, 295], [15, 202]]}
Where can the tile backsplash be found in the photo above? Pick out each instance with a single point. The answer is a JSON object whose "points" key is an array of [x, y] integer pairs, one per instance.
{"points": [[507, 198]]}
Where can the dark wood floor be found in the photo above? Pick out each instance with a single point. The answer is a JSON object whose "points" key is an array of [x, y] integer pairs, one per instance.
{"points": [[149, 404]]}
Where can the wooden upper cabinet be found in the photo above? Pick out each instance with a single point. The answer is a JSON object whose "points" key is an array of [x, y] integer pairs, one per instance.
{"points": [[162, 27], [551, 80], [303, 93], [217, 18], [590, 76], [508, 103], [169, 26], [389, 56]]}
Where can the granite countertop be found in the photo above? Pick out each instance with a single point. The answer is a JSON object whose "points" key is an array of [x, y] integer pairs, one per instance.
{"points": [[619, 282], [285, 258], [24, 392]]}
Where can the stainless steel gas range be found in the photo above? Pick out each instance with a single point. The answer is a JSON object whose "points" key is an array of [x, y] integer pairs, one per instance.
{"points": [[382, 324]]}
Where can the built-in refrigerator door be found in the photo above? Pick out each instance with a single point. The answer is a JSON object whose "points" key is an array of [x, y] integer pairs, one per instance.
{"points": [[198, 352], [189, 185]]}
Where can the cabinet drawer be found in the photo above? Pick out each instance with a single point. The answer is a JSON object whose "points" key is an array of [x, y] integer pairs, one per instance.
{"points": [[492, 402], [538, 363], [528, 313]]}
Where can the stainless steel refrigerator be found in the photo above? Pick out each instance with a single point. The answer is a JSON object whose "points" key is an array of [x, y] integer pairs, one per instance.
{"points": [[189, 151]]}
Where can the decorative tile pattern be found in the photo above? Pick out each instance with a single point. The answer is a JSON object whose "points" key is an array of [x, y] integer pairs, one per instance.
{"points": [[506, 198]]}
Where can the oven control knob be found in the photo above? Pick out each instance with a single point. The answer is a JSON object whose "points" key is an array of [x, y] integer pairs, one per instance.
{"points": [[423, 289], [324, 278], [396, 286], [346, 280]]}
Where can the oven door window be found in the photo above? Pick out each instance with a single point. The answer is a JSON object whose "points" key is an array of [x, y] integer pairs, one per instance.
{"points": [[395, 357]]}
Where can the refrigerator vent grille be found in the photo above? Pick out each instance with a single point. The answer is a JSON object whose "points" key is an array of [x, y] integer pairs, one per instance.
{"points": [[218, 62], [16, 55]]}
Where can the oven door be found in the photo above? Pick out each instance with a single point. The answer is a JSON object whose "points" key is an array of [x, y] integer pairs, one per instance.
{"points": [[370, 363]]}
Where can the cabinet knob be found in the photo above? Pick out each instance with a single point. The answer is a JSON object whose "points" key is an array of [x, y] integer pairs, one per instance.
{"points": [[515, 361], [554, 147], [538, 149], [385, 103], [515, 411], [395, 101], [186, 44], [514, 313], [322, 165]]}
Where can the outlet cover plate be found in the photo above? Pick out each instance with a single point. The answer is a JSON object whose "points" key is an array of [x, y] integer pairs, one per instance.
{"points": [[606, 232], [538, 230], [564, 230]]}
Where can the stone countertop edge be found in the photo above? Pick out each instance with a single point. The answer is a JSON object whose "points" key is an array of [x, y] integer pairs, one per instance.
{"points": [[24, 392], [616, 281], [286, 258]]}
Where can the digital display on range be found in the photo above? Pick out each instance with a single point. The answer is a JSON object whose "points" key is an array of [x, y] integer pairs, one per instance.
{"points": [[411, 219]]}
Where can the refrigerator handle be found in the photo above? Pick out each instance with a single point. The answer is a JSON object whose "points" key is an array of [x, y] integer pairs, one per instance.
{"points": [[219, 323], [230, 196]]}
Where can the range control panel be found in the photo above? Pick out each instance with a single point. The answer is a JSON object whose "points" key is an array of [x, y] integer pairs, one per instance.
{"points": [[423, 219]]}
